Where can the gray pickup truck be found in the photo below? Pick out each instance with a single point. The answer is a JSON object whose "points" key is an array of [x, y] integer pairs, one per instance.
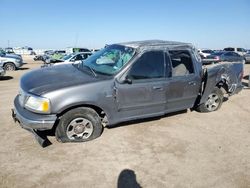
{"points": [[122, 82]]}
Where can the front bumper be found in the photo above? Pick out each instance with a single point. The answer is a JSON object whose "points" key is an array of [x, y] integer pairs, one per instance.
{"points": [[34, 123], [19, 64], [30, 120], [2, 72]]}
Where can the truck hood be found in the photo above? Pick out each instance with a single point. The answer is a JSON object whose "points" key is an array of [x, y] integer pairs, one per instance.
{"points": [[52, 78]]}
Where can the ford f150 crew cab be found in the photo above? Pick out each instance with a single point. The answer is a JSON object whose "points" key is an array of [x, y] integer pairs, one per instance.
{"points": [[122, 82]]}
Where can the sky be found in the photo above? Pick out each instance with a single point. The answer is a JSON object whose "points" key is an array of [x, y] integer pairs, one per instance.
{"points": [[57, 24]]}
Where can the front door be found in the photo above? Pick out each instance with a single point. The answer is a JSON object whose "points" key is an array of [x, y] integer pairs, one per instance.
{"points": [[145, 93]]}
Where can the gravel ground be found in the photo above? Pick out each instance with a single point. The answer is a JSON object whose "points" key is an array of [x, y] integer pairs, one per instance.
{"points": [[186, 149]]}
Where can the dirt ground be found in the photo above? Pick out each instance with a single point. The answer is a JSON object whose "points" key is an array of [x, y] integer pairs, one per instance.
{"points": [[187, 149]]}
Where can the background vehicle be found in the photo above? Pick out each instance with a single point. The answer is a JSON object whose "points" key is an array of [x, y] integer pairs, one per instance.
{"points": [[122, 82], [10, 62], [24, 50], [205, 52], [10, 53], [71, 50], [46, 55], [225, 56], [9, 50], [54, 56], [247, 57], [240, 51], [71, 58], [58, 54]]}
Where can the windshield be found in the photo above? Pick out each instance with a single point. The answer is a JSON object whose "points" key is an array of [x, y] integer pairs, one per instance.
{"points": [[110, 59], [2, 52], [66, 57]]}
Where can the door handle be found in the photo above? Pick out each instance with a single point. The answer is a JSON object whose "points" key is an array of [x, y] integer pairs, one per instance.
{"points": [[158, 88], [192, 83]]}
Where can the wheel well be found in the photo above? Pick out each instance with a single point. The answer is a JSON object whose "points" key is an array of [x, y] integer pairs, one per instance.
{"points": [[223, 85], [9, 62], [98, 110]]}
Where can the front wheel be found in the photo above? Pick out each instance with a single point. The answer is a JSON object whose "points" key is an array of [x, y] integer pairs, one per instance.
{"points": [[79, 125], [213, 102], [9, 67]]}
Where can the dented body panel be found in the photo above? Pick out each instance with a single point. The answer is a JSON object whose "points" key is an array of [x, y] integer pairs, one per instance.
{"points": [[225, 74]]}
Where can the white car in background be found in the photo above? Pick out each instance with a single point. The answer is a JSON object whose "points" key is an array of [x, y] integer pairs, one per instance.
{"points": [[24, 50], [69, 59], [205, 52], [240, 51]]}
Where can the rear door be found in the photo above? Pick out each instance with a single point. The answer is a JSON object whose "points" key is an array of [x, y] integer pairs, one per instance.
{"points": [[145, 95], [184, 83]]}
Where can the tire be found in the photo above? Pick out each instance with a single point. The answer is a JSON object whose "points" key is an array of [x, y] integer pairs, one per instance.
{"points": [[9, 67], [213, 102], [79, 125]]}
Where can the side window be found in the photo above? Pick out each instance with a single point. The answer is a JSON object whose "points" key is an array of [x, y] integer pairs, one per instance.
{"points": [[181, 62], [229, 49], [78, 57], [240, 50], [84, 56], [150, 65]]}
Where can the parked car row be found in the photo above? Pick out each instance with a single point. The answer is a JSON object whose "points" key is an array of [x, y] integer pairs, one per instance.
{"points": [[240, 51], [227, 54], [70, 55], [224, 56], [69, 59]]}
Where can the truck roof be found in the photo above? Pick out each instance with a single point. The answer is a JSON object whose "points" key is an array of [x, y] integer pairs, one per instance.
{"points": [[152, 43]]}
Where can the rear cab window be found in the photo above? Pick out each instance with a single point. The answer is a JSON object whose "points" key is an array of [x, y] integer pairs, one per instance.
{"points": [[182, 63]]}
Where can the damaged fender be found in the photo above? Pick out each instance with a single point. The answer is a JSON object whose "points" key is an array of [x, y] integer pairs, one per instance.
{"points": [[226, 75]]}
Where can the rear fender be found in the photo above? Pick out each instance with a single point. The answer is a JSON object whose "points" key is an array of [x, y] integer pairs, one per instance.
{"points": [[217, 78]]}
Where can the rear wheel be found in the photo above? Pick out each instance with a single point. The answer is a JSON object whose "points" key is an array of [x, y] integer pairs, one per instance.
{"points": [[9, 67], [213, 102], [79, 125]]}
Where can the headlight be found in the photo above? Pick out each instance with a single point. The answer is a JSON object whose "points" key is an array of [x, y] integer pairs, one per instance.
{"points": [[38, 104]]}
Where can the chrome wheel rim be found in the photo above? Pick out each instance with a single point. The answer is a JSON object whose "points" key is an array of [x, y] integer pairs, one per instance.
{"points": [[79, 128], [213, 102]]}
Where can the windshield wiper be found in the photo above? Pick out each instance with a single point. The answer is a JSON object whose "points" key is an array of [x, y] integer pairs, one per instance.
{"points": [[92, 70]]}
